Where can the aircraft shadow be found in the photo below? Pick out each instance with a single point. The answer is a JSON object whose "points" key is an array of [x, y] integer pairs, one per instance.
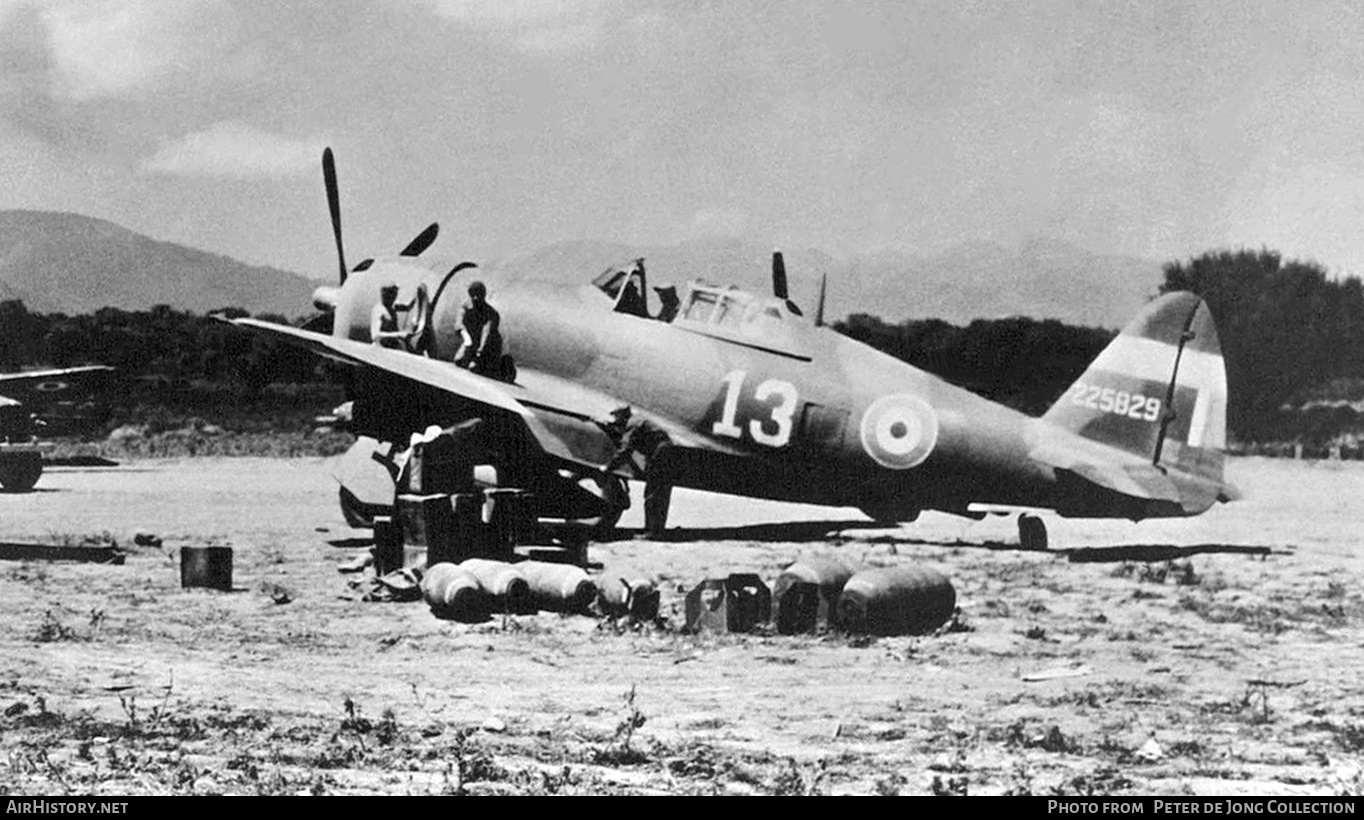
{"points": [[80, 461], [1160, 552], [823, 530], [1098, 555], [783, 531]]}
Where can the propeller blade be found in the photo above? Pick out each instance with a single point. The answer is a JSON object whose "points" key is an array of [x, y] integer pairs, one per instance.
{"points": [[779, 276], [334, 205], [422, 241], [819, 311]]}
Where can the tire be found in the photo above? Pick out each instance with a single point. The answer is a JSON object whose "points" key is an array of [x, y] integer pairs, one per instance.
{"points": [[20, 471], [889, 514]]}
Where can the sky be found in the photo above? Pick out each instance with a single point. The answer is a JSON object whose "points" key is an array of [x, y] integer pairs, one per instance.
{"points": [[1150, 128]]}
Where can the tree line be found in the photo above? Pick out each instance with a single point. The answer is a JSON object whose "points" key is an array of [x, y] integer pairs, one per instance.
{"points": [[1023, 363], [161, 343], [1289, 332]]}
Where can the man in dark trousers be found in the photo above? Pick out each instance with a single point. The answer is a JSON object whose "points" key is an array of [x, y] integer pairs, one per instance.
{"points": [[480, 323], [648, 440]]}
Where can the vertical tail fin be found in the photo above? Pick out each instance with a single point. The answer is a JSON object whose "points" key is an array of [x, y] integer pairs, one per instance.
{"points": [[1159, 390]]}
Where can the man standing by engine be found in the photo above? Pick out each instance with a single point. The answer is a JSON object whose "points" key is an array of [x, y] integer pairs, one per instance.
{"points": [[385, 329], [643, 437]]}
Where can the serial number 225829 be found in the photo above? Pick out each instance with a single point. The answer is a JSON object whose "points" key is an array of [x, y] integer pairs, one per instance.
{"points": [[1118, 402]]}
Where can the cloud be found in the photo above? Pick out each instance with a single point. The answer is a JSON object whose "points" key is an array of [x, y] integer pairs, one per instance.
{"points": [[1303, 210], [539, 26], [96, 49], [560, 39], [720, 222], [230, 149]]}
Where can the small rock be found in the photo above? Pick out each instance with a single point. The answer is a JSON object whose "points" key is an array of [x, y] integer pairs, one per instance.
{"points": [[1150, 751], [357, 564], [493, 725], [147, 539]]}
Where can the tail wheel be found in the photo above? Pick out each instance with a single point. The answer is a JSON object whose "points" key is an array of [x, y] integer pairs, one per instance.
{"points": [[1032, 533], [20, 471]]}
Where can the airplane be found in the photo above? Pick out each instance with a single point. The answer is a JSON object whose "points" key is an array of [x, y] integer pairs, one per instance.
{"points": [[759, 400], [40, 403]]}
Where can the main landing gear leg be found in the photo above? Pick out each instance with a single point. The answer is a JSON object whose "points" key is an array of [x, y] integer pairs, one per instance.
{"points": [[1032, 533]]}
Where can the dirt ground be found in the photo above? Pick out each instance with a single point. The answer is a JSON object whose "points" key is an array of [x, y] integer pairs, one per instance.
{"points": [[1212, 674]]}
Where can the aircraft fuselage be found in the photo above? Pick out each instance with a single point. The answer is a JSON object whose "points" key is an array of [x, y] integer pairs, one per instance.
{"points": [[800, 407]]}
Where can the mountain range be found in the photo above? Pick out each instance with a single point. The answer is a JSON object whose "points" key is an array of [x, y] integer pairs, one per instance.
{"points": [[68, 263]]}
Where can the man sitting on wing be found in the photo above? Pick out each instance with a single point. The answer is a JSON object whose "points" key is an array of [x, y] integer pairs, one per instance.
{"points": [[479, 324]]}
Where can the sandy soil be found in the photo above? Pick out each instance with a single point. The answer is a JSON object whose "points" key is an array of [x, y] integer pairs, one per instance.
{"points": [[1214, 674]]}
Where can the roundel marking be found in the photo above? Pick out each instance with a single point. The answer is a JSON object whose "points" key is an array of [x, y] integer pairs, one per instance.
{"points": [[899, 431], [50, 387]]}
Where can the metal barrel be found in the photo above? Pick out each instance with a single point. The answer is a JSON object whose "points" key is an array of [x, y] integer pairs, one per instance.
{"points": [[511, 521], [209, 567], [903, 600], [502, 581], [621, 594], [807, 591], [452, 592], [470, 535], [558, 587]]}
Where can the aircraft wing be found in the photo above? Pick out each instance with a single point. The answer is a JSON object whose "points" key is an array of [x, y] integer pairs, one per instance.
{"points": [[433, 372], [542, 391], [36, 388], [559, 413]]}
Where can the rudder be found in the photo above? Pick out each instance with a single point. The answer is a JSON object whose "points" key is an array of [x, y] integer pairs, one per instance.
{"points": [[1159, 390]]}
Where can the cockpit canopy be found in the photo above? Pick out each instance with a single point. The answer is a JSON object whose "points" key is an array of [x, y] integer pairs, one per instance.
{"points": [[726, 313], [733, 309]]}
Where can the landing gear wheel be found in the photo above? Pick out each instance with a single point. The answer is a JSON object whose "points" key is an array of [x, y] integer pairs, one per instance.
{"points": [[889, 514], [20, 471], [1032, 533]]}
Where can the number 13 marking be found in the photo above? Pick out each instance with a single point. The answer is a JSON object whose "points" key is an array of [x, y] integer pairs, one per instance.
{"points": [[780, 414]]}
